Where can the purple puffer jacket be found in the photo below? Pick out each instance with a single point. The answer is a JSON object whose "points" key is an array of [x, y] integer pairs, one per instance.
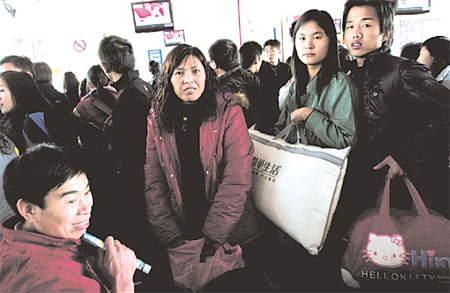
{"points": [[226, 152]]}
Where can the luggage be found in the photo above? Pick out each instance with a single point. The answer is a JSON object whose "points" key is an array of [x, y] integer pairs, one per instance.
{"points": [[297, 186]]}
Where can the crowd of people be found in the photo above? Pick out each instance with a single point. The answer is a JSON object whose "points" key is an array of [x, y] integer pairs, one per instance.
{"points": [[168, 162]]}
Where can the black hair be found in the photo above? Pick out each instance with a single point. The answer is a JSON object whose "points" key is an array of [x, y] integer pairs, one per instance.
{"points": [[225, 53], [117, 54], [273, 43], [21, 62], [330, 65], [70, 82], [439, 48], [97, 77], [33, 174], [165, 96], [27, 99], [385, 11], [411, 50], [82, 88], [248, 52], [42, 72], [154, 67]]}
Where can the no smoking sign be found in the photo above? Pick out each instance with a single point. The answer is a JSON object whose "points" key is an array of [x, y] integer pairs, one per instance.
{"points": [[79, 45]]}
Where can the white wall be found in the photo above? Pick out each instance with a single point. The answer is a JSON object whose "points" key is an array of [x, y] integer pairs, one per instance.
{"points": [[45, 30]]}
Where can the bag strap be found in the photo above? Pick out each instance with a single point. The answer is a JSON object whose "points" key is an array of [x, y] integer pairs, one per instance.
{"points": [[283, 133], [417, 200]]}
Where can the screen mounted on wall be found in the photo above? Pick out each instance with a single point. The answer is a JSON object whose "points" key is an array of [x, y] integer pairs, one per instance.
{"points": [[412, 6], [151, 16]]}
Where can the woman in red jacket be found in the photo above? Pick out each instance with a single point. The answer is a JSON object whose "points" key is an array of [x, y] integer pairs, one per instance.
{"points": [[198, 158]]}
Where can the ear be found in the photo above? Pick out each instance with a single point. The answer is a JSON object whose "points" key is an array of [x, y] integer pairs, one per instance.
{"points": [[26, 210], [386, 36], [105, 68], [256, 61], [213, 64]]}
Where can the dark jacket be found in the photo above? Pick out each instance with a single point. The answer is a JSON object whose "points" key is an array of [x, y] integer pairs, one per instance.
{"points": [[58, 100], [130, 118], [404, 109], [226, 153], [271, 78], [239, 80]]}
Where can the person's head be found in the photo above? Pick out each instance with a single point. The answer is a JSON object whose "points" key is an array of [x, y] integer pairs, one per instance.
{"points": [[70, 82], [315, 49], [251, 55], [272, 48], [19, 92], [49, 190], [411, 50], [435, 54], [368, 25], [96, 77], [291, 29], [42, 73], [116, 55], [185, 77], [83, 87], [153, 67], [17, 63], [224, 55]]}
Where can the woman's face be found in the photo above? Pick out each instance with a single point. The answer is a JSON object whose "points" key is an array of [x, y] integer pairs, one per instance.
{"points": [[425, 57], [311, 44], [6, 101], [188, 79]]}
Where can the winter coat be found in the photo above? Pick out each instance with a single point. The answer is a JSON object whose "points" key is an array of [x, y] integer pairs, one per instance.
{"points": [[33, 262], [332, 123], [405, 111], [226, 153]]}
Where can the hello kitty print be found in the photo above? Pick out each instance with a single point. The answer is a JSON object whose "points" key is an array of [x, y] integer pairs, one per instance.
{"points": [[386, 250]]}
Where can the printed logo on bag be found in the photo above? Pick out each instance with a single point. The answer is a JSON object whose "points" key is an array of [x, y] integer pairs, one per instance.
{"points": [[389, 251], [267, 170]]}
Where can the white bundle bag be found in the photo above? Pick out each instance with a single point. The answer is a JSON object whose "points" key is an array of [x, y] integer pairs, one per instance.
{"points": [[297, 186]]}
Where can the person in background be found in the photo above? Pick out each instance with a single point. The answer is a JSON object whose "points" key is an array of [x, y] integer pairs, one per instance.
{"points": [[434, 53], [70, 86], [17, 63], [83, 88], [154, 69], [411, 50], [322, 101], [272, 76], [250, 53], [404, 119], [40, 250], [232, 77], [128, 135], [29, 113], [198, 158]]}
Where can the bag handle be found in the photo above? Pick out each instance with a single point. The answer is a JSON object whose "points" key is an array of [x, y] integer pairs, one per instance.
{"points": [[284, 133], [417, 200]]}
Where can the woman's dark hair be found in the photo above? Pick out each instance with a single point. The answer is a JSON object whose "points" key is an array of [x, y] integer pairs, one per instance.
{"points": [[6, 145], [385, 11], [411, 50], [27, 99], [97, 77], [33, 174], [330, 65], [70, 82], [439, 48], [82, 88], [165, 96]]}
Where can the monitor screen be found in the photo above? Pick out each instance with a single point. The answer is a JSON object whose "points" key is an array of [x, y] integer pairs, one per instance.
{"points": [[150, 16], [173, 38], [412, 6]]}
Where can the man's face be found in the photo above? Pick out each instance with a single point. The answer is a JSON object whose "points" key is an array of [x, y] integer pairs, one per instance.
{"points": [[273, 54], [67, 210], [362, 33]]}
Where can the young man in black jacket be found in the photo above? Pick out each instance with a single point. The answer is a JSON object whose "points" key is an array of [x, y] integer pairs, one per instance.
{"points": [[124, 208], [403, 119]]}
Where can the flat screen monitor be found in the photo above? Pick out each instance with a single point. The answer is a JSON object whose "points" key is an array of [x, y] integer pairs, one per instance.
{"points": [[412, 6], [173, 38], [151, 16]]}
